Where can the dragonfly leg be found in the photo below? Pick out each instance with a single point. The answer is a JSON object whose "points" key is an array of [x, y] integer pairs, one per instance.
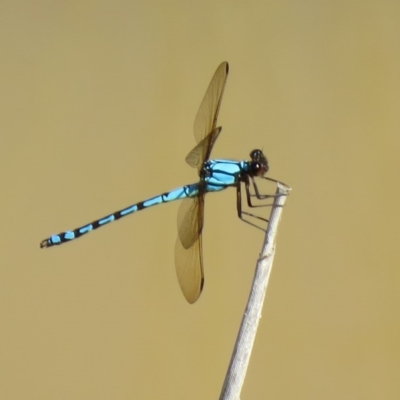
{"points": [[250, 181], [260, 196], [243, 214]]}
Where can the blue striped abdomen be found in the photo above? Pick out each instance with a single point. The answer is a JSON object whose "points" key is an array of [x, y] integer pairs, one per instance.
{"points": [[176, 194]]}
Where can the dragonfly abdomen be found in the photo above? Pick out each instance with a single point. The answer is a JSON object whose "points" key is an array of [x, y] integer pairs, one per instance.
{"points": [[176, 194]]}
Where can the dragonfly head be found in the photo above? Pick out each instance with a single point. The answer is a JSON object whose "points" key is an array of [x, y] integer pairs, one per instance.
{"points": [[259, 163]]}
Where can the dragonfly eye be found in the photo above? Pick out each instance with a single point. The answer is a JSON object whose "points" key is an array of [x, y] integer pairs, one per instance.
{"points": [[259, 165], [256, 155], [259, 169]]}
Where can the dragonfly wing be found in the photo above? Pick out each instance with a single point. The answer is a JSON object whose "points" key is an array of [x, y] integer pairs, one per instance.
{"points": [[196, 156], [189, 269], [206, 118], [188, 248], [190, 220]]}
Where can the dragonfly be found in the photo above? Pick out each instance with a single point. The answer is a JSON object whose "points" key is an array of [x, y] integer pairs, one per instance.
{"points": [[214, 176]]}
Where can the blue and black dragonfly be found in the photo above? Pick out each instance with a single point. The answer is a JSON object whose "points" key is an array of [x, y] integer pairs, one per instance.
{"points": [[215, 175]]}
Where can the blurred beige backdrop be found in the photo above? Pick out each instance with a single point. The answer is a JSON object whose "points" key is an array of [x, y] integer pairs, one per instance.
{"points": [[97, 106]]}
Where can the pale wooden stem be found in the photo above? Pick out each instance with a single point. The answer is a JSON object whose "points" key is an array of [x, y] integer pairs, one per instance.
{"points": [[244, 343]]}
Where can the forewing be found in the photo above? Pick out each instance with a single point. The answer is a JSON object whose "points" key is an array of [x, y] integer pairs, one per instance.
{"points": [[206, 118], [200, 152]]}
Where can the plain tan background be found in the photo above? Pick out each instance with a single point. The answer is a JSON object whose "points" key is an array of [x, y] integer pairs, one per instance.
{"points": [[97, 106]]}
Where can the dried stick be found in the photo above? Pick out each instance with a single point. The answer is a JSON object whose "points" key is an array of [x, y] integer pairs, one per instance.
{"points": [[244, 343]]}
